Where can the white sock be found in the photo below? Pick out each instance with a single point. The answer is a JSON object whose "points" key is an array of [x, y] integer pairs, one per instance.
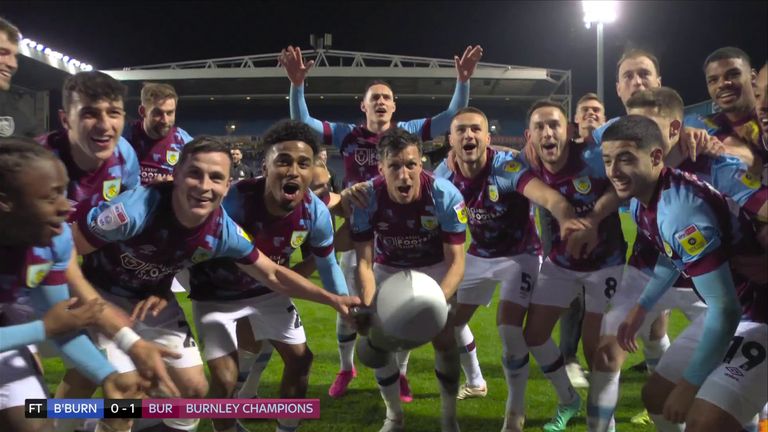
{"points": [[388, 378], [448, 372], [514, 358], [553, 366], [250, 386], [346, 336], [245, 360], [603, 397], [664, 425], [653, 350], [402, 360], [189, 425], [465, 340]]}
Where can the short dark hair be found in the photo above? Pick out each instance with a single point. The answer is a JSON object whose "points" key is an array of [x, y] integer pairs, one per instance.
{"points": [[641, 130], [16, 154], [11, 30], [376, 82], [94, 85], [635, 53], [203, 144], [396, 140], [543, 103], [471, 110], [588, 97], [726, 53], [289, 130], [664, 100]]}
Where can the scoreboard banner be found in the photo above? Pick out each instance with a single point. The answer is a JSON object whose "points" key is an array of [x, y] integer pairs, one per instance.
{"points": [[173, 408]]}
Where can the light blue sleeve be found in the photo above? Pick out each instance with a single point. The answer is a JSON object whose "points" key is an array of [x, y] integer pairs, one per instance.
{"points": [[233, 203], [235, 242], [361, 217], [687, 224], [665, 274], [441, 123], [700, 122], [300, 111], [122, 218], [16, 336], [185, 136], [321, 237], [720, 322], [731, 177], [597, 134], [131, 177], [593, 157], [442, 170], [508, 169], [451, 210]]}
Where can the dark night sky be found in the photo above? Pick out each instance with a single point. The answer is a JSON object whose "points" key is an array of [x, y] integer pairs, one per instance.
{"points": [[540, 34]]}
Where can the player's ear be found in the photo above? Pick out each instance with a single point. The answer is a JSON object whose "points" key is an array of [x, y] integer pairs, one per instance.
{"points": [[362, 105], [657, 156], [142, 111], [6, 205], [527, 135], [674, 129], [63, 119]]}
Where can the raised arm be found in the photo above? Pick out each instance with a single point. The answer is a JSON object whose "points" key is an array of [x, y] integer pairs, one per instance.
{"points": [[465, 67]]}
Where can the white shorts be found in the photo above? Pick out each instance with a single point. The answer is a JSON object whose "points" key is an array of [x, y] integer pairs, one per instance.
{"points": [[272, 316], [168, 328], [738, 385], [348, 264], [435, 271], [558, 286], [633, 282], [516, 274], [19, 379]]}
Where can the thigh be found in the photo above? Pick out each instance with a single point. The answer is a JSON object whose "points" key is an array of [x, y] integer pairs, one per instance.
{"points": [[518, 279], [216, 324], [477, 286], [738, 385], [19, 379], [556, 286], [676, 358], [277, 319], [600, 286]]}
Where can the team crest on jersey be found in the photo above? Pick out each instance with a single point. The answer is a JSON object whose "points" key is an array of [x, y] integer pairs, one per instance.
{"points": [[692, 240], [429, 222], [749, 180], [667, 249], [241, 232], [111, 188], [171, 156], [297, 238], [201, 255], [582, 185], [37, 272], [7, 126], [512, 166], [461, 212], [493, 193]]}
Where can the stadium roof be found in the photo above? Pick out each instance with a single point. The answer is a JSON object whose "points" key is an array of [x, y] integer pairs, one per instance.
{"points": [[342, 75]]}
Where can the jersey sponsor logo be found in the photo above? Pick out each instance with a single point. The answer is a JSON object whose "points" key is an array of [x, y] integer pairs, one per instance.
{"points": [[493, 193], [201, 255], [667, 249], [583, 185], [297, 238], [461, 212], [692, 240], [37, 272], [130, 262], [366, 156], [512, 166], [750, 180], [7, 126], [429, 222], [112, 217], [111, 188], [241, 232], [172, 157]]}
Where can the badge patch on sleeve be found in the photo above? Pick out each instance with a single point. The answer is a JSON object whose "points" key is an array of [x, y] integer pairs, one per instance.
{"points": [[461, 212], [750, 181], [37, 272], [112, 217], [512, 166], [241, 232], [692, 240], [297, 238]]}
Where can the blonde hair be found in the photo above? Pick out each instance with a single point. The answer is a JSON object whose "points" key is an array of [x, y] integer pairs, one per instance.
{"points": [[155, 92]]}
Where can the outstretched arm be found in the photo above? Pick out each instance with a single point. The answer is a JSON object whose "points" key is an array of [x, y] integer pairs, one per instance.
{"points": [[465, 67]]}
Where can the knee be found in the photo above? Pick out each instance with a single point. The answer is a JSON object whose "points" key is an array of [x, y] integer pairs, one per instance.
{"points": [[608, 358], [223, 381], [300, 363], [197, 386], [532, 337]]}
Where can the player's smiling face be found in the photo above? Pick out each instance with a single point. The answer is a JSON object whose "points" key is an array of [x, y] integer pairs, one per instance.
{"points": [[159, 117], [379, 103], [761, 95], [590, 114], [469, 137], [401, 171], [8, 62], [200, 185], [631, 170], [289, 173], [729, 83], [94, 126], [635, 74], [41, 207], [548, 134]]}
